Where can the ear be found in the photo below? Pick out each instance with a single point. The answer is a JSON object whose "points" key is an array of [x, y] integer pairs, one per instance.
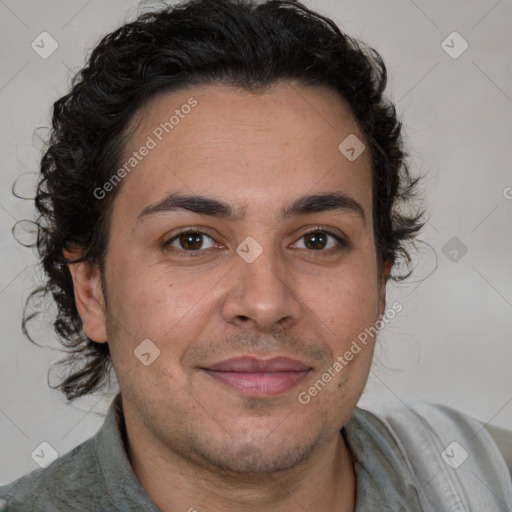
{"points": [[383, 279], [88, 297]]}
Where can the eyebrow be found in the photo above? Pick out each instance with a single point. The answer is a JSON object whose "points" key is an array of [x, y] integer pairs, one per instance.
{"points": [[212, 207]]}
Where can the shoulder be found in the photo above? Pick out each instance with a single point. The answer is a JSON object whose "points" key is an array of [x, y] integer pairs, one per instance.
{"points": [[503, 439], [450, 453], [447, 424], [69, 479]]}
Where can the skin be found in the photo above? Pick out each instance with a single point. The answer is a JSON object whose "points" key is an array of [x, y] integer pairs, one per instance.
{"points": [[222, 450]]}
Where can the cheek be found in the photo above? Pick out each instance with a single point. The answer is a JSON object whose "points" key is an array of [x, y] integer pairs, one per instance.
{"points": [[155, 302], [346, 303], [347, 315]]}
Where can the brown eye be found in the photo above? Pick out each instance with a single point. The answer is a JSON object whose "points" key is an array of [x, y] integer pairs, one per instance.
{"points": [[189, 241], [192, 241], [315, 240], [322, 241]]}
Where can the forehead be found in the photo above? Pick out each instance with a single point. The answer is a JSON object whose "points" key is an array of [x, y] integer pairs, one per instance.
{"points": [[259, 150]]}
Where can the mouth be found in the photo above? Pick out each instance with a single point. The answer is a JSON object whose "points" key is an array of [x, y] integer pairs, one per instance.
{"points": [[255, 377]]}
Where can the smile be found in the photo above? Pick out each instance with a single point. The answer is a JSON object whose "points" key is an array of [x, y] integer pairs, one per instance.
{"points": [[256, 377]]}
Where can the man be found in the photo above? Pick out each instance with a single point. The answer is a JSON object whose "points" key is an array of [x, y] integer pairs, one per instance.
{"points": [[223, 201]]}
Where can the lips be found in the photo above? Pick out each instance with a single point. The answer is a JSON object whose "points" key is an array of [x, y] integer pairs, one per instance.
{"points": [[255, 365], [258, 377]]}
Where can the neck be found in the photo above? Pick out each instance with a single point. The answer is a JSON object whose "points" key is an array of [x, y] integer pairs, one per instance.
{"points": [[324, 481]]}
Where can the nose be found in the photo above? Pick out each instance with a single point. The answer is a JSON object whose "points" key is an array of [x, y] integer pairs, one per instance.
{"points": [[261, 296]]}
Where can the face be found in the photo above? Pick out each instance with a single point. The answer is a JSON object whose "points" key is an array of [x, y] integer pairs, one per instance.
{"points": [[251, 293]]}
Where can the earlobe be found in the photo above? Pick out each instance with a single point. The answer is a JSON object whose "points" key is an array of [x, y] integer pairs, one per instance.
{"points": [[88, 297], [383, 279]]}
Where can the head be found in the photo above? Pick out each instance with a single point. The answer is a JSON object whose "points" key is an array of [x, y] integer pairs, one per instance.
{"points": [[224, 179]]}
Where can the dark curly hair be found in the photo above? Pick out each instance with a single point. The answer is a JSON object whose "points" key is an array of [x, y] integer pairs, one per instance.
{"points": [[245, 44]]}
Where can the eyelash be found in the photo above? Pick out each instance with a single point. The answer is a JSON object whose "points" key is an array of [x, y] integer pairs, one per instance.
{"points": [[318, 229]]}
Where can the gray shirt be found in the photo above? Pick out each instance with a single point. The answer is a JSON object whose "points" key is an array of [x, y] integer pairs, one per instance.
{"points": [[97, 475]]}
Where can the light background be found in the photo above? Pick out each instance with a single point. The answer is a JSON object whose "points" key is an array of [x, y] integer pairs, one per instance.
{"points": [[451, 344]]}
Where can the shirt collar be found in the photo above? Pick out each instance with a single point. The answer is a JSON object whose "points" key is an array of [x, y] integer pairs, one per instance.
{"points": [[383, 481]]}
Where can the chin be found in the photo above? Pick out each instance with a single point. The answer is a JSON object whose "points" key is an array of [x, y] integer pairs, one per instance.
{"points": [[250, 459], [255, 456]]}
